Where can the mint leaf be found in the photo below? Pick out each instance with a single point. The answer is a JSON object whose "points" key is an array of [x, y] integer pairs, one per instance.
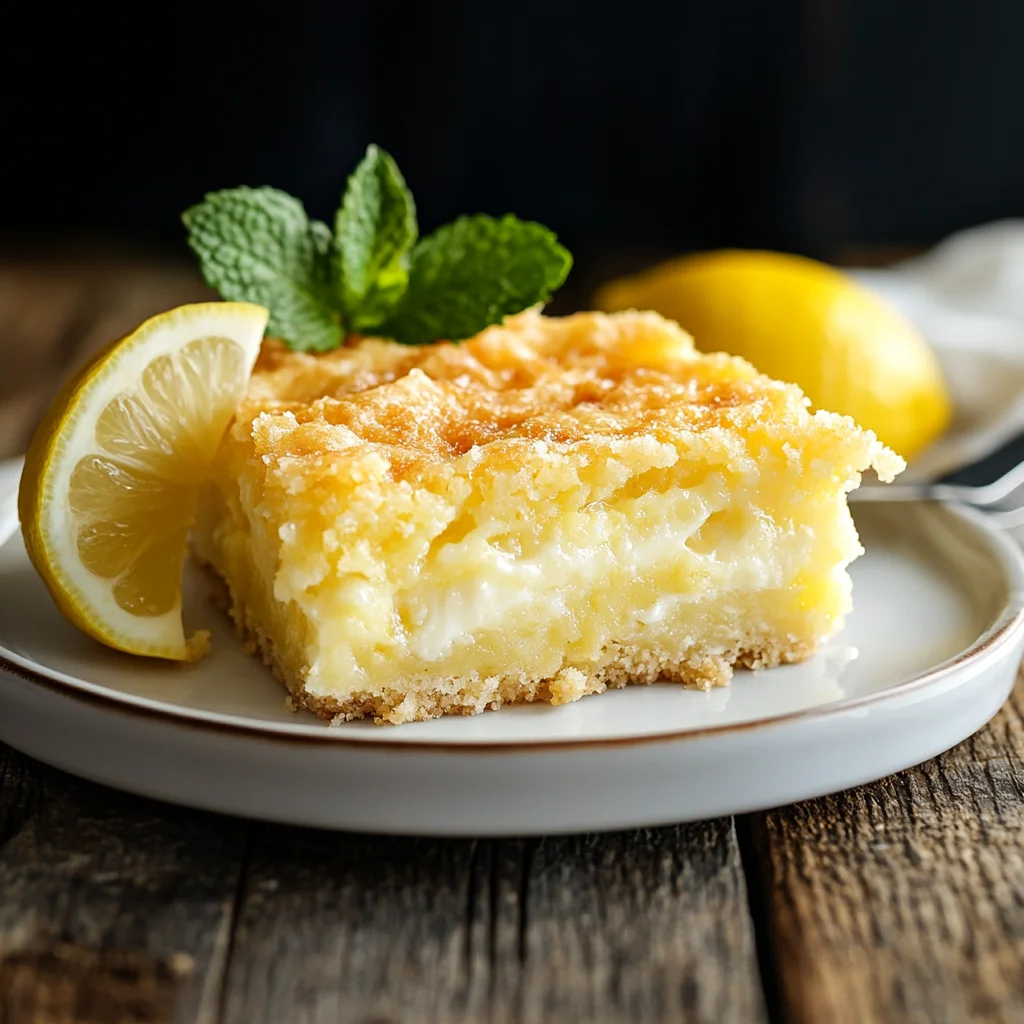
{"points": [[473, 273], [258, 245], [373, 231]]}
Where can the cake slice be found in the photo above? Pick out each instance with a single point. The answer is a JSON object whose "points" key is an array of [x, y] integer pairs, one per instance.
{"points": [[554, 507]]}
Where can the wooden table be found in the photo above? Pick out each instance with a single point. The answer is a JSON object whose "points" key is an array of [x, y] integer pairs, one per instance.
{"points": [[899, 901]]}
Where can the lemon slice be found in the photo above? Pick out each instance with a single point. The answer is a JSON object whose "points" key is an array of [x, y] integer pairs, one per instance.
{"points": [[109, 488]]}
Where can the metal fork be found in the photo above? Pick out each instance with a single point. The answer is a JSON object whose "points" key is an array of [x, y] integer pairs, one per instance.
{"points": [[994, 485]]}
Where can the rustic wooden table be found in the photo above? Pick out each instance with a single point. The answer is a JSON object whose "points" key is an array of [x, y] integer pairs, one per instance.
{"points": [[899, 901]]}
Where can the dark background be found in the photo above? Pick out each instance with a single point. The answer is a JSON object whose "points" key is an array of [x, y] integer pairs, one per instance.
{"points": [[822, 127]]}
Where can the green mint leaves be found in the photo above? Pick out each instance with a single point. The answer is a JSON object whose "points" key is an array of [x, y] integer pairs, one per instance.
{"points": [[370, 275], [473, 273], [373, 233], [258, 245]]}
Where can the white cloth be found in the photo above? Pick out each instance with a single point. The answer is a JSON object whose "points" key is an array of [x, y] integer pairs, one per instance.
{"points": [[967, 297]]}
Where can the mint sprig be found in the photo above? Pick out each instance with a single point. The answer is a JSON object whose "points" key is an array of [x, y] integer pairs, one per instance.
{"points": [[370, 275], [373, 232], [258, 245], [473, 273]]}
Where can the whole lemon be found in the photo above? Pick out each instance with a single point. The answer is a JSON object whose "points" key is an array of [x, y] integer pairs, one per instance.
{"points": [[799, 320]]}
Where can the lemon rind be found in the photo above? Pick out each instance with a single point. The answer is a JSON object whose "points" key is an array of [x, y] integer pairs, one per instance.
{"points": [[50, 534]]}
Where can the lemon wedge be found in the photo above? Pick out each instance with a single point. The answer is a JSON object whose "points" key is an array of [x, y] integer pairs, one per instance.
{"points": [[802, 321], [110, 483]]}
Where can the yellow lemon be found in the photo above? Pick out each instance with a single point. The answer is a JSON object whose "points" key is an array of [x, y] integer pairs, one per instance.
{"points": [[109, 488], [802, 321]]}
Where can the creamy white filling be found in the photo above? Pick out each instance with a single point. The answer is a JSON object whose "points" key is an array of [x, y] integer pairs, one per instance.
{"points": [[440, 617], [652, 561]]}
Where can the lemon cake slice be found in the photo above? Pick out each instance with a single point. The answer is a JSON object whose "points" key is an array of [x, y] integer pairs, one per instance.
{"points": [[552, 508]]}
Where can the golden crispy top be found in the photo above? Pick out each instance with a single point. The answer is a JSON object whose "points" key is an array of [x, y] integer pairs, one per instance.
{"points": [[558, 380]]}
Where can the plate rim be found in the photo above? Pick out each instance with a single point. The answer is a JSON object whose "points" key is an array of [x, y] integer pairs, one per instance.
{"points": [[1005, 631], [992, 642]]}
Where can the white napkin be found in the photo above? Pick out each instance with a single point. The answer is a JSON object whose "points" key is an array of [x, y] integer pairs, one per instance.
{"points": [[967, 297]]}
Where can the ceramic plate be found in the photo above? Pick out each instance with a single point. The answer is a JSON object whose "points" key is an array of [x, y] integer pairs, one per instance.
{"points": [[927, 657]]}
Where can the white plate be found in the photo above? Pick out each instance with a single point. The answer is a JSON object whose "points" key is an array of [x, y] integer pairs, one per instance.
{"points": [[928, 656]]}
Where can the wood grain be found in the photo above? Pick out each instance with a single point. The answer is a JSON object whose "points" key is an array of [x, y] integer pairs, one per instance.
{"points": [[904, 900], [110, 905], [65, 983], [116, 908], [630, 927]]}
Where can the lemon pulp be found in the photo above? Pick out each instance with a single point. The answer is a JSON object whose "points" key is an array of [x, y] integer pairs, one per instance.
{"points": [[111, 480], [132, 502]]}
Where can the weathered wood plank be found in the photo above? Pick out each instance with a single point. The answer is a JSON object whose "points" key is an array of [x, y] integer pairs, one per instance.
{"points": [[640, 926], [65, 984], [631, 927], [904, 900], [111, 907]]}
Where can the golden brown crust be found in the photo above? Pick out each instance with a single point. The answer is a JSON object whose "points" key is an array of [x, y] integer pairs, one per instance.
{"points": [[420, 699], [589, 379]]}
